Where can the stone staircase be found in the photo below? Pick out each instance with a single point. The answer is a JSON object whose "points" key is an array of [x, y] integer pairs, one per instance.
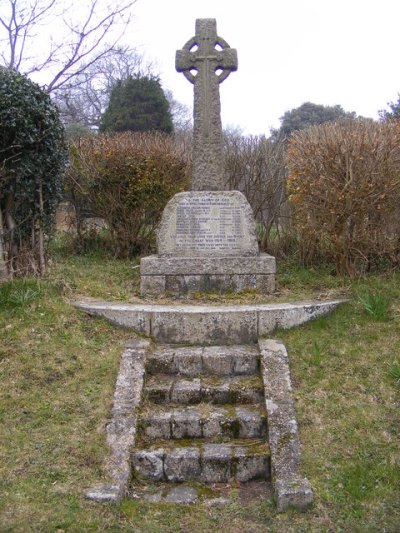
{"points": [[202, 417], [190, 423]]}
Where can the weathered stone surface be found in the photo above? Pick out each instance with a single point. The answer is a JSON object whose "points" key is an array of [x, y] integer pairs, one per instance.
{"points": [[213, 60], [218, 392], [121, 431], [250, 466], [149, 464], [251, 424], [161, 361], [246, 360], [158, 389], [152, 286], [216, 462], [186, 391], [213, 325], [185, 286], [242, 391], [181, 494], [188, 361], [210, 265], [186, 424], [290, 488], [213, 423], [296, 493], [217, 360], [206, 240], [205, 325], [182, 464], [206, 223], [119, 314], [245, 422], [156, 425], [214, 360], [104, 492]]}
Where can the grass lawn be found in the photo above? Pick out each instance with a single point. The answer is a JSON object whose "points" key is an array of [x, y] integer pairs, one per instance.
{"points": [[58, 368]]}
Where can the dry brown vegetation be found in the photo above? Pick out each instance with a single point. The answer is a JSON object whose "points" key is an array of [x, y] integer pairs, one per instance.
{"points": [[126, 179], [344, 184], [256, 166]]}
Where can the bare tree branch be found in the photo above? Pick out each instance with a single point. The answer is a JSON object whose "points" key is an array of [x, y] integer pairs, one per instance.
{"points": [[84, 99], [77, 42]]}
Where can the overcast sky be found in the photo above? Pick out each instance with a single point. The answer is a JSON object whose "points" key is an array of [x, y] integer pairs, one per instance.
{"points": [[327, 52]]}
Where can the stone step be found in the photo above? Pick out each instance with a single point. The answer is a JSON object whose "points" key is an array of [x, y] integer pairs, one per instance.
{"points": [[203, 422], [162, 388], [197, 360], [209, 463]]}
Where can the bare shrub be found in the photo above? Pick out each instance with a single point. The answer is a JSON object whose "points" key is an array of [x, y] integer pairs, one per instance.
{"points": [[256, 167], [127, 179], [344, 185]]}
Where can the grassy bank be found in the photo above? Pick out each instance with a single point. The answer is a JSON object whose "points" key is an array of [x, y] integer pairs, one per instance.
{"points": [[58, 369]]}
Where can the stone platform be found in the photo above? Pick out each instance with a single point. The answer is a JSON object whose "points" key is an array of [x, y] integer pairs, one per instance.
{"points": [[184, 276], [208, 324], [207, 242]]}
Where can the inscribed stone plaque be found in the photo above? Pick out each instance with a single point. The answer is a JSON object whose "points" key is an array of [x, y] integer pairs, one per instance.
{"points": [[207, 223]]}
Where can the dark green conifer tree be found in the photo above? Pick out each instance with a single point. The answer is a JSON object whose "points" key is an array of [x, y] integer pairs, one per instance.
{"points": [[137, 104]]}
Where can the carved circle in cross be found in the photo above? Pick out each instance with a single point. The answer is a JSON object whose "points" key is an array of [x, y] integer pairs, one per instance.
{"points": [[221, 70]]}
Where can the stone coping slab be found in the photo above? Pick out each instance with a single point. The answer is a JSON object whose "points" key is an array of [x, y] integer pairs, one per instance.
{"points": [[121, 431], [225, 265], [290, 488], [208, 324]]}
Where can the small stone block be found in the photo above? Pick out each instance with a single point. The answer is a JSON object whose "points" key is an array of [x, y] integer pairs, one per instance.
{"points": [[265, 283], [213, 423], [161, 361], [153, 498], [250, 466], [104, 493], [149, 464], [158, 389], [186, 391], [245, 362], [218, 393], [182, 464], [152, 285], [181, 494], [186, 424], [216, 462], [217, 361], [251, 424], [296, 493], [157, 426], [245, 394], [188, 361]]}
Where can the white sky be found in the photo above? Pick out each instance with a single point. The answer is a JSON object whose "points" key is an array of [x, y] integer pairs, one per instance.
{"points": [[328, 52]]}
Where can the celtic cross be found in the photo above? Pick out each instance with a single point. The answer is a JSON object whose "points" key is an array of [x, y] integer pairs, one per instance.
{"points": [[206, 60]]}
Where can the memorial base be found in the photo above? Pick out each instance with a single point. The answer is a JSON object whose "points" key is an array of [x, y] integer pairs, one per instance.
{"points": [[181, 277]]}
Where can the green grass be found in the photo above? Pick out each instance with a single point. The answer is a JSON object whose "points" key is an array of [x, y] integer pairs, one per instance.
{"points": [[58, 369]]}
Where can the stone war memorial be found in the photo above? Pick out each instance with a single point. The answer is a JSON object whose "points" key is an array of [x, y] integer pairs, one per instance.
{"points": [[203, 394], [207, 238]]}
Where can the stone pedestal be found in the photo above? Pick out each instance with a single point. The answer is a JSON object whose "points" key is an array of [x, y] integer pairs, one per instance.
{"points": [[207, 242]]}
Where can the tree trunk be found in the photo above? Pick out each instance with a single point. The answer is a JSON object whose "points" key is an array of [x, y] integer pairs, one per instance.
{"points": [[4, 274], [10, 225], [42, 259]]}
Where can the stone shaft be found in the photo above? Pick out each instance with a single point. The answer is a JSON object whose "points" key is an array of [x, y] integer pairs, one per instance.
{"points": [[206, 60]]}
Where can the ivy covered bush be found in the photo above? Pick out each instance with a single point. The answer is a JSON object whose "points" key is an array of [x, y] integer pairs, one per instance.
{"points": [[344, 186], [127, 179], [32, 161]]}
